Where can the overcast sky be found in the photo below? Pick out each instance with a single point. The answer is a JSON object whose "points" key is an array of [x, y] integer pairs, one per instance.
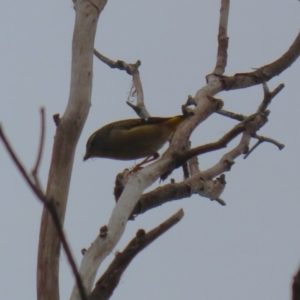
{"points": [[249, 249]]}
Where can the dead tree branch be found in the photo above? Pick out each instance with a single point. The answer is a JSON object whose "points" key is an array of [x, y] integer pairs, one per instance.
{"points": [[68, 131], [110, 279], [268, 96], [206, 105], [48, 203], [222, 38], [34, 171], [265, 73], [136, 89], [231, 115], [171, 192], [199, 182], [262, 139]]}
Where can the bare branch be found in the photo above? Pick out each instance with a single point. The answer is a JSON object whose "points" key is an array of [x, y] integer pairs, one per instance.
{"points": [[110, 279], [222, 38], [268, 96], [177, 191], [19, 165], [49, 204], [269, 140], [34, 172], [205, 187], [231, 115], [136, 89], [109, 62], [67, 134], [262, 139], [221, 143], [138, 182], [265, 73], [140, 110]]}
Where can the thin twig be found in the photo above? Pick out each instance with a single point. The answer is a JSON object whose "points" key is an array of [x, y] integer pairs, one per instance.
{"points": [[231, 115], [262, 139], [252, 123], [136, 89], [106, 60], [50, 206], [221, 143], [269, 140], [268, 96], [119, 64], [220, 201], [140, 110], [34, 171], [18, 163]]}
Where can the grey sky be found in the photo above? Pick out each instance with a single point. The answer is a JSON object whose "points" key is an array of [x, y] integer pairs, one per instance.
{"points": [[249, 249]]}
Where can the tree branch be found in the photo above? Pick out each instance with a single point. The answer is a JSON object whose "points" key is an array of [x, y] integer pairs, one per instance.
{"points": [[48, 203], [139, 181], [262, 139], [268, 96], [34, 171], [265, 73], [110, 279], [231, 115], [222, 38], [136, 184], [201, 182], [171, 192], [66, 137], [136, 89]]}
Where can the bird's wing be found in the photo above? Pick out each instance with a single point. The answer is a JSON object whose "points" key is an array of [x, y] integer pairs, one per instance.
{"points": [[132, 123]]}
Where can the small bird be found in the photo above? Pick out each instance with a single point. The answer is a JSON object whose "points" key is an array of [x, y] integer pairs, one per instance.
{"points": [[132, 139]]}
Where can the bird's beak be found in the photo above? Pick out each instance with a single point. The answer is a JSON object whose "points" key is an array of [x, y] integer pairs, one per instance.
{"points": [[86, 156]]}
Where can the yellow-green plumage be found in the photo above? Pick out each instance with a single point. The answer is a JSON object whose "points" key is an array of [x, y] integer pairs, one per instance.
{"points": [[132, 139]]}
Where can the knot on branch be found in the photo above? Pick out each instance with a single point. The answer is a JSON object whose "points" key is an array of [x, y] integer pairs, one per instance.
{"points": [[103, 231], [228, 162], [195, 186], [121, 180], [213, 188], [254, 122]]}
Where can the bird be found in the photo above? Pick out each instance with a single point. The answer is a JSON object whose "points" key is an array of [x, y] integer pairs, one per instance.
{"points": [[132, 138]]}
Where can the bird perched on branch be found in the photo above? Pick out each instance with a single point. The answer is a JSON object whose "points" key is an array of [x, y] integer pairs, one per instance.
{"points": [[132, 139]]}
